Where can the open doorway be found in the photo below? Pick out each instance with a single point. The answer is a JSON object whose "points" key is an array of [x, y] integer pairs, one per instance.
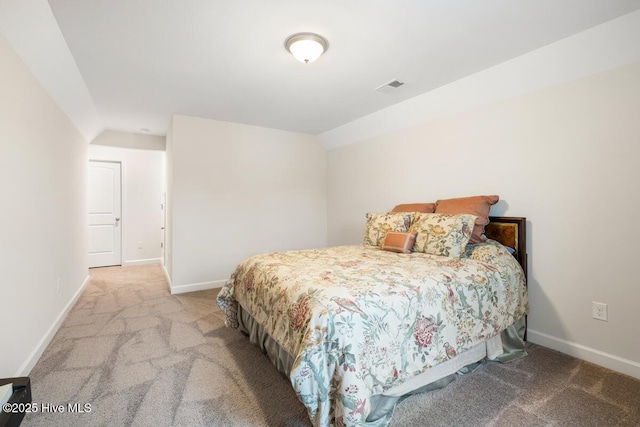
{"points": [[141, 201]]}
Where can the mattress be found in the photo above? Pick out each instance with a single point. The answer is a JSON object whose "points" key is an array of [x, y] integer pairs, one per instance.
{"points": [[350, 325]]}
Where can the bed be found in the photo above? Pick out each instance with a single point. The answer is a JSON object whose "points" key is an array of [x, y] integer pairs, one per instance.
{"points": [[357, 328]]}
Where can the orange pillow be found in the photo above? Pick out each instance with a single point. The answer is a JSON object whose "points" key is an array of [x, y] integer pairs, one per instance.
{"points": [[395, 241], [476, 205], [415, 207]]}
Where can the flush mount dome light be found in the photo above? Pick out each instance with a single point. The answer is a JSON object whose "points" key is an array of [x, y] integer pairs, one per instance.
{"points": [[306, 47]]}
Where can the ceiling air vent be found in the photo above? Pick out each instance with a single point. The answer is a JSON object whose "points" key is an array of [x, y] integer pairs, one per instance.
{"points": [[389, 86]]}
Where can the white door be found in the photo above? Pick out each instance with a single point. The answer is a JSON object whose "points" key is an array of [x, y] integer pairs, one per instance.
{"points": [[105, 226]]}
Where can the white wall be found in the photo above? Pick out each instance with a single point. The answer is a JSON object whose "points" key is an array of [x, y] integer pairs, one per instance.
{"points": [[140, 141], [142, 187], [603, 47], [30, 27], [566, 158], [43, 176], [168, 185], [239, 190]]}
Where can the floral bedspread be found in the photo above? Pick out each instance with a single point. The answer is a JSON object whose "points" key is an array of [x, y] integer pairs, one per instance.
{"points": [[359, 320]]}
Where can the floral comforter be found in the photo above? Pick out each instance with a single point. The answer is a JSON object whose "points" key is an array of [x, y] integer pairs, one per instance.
{"points": [[359, 320]]}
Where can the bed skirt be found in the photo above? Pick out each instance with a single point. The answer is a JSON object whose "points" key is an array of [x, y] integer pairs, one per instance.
{"points": [[504, 347]]}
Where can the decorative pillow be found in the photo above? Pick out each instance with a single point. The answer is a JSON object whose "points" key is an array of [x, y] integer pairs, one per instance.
{"points": [[379, 224], [476, 205], [399, 242], [442, 234], [415, 207]]}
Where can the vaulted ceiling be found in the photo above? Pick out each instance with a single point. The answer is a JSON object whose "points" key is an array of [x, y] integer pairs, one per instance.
{"points": [[143, 60]]}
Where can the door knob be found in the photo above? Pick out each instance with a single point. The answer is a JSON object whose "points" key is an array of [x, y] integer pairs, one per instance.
{"points": [[117, 219]]}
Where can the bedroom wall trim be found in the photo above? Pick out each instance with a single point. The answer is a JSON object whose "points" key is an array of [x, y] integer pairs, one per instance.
{"points": [[142, 262], [181, 289], [610, 361], [31, 361]]}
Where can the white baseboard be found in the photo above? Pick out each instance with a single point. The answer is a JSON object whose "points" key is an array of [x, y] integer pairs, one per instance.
{"points": [[142, 262], [166, 275], [197, 287], [31, 361], [610, 361]]}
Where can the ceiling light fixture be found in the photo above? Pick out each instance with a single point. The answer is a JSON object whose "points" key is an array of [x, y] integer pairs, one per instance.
{"points": [[306, 47]]}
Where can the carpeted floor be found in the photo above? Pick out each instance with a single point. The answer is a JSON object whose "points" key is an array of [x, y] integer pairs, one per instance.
{"points": [[140, 356]]}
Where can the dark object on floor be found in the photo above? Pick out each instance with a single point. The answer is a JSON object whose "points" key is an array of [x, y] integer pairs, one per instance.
{"points": [[20, 400]]}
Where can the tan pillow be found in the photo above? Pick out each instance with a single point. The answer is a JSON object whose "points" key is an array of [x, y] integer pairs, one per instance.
{"points": [[415, 207], [399, 242], [476, 205]]}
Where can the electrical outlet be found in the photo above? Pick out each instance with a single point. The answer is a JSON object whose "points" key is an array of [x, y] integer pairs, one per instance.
{"points": [[139, 244], [599, 311], [58, 285]]}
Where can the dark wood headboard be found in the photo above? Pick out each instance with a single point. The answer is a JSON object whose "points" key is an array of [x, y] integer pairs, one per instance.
{"points": [[510, 231]]}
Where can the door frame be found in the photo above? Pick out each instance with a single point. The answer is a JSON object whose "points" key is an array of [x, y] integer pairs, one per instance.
{"points": [[123, 210], [164, 228]]}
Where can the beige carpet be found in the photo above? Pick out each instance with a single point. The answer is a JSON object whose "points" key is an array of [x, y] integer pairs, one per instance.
{"points": [[140, 356]]}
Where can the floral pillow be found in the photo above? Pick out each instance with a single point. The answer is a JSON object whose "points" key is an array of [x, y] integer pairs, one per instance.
{"points": [[379, 224], [442, 234]]}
